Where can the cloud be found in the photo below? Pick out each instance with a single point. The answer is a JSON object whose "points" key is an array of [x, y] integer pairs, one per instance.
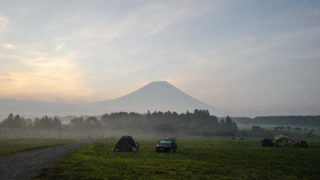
{"points": [[245, 68], [149, 19], [60, 46], [8, 46], [157, 16], [43, 76], [3, 23]]}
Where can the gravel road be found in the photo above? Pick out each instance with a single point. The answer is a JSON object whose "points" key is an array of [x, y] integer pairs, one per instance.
{"points": [[26, 164]]}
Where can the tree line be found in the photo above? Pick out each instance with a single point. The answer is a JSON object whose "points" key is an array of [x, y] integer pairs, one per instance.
{"points": [[18, 122], [270, 132], [196, 123], [312, 121]]}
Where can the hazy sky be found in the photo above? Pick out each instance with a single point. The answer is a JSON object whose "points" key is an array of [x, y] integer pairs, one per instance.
{"points": [[231, 54]]}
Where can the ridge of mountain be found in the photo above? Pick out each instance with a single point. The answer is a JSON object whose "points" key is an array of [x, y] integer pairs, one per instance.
{"points": [[155, 96]]}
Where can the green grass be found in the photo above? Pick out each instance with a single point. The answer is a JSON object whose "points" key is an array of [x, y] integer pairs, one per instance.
{"points": [[9, 146], [195, 159]]}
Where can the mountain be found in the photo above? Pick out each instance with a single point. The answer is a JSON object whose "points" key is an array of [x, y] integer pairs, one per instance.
{"points": [[156, 96], [33, 108]]}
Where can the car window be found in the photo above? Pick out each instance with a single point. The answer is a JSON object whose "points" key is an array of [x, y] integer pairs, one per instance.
{"points": [[165, 142]]}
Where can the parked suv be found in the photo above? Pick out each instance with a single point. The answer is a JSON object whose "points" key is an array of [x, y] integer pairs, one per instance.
{"points": [[167, 145]]}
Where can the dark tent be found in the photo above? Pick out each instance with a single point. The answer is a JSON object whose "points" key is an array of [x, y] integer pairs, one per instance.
{"points": [[267, 142], [126, 144], [303, 144]]}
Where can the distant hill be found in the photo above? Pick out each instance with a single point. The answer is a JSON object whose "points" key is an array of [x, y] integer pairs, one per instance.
{"points": [[310, 121], [32, 108], [156, 96]]}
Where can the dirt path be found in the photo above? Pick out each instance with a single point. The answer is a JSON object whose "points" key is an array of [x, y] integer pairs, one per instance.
{"points": [[25, 164]]}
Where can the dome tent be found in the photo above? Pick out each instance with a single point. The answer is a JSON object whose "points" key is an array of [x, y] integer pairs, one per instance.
{"points": [[126, 144], [283, 140], [267, 143]]}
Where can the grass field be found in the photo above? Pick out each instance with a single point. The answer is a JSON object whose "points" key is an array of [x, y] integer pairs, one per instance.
{"points": [[9, 146], [195, 159]]}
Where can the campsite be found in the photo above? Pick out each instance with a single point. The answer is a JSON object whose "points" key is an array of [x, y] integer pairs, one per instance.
{"points": [[197, 158], [156, 145]]}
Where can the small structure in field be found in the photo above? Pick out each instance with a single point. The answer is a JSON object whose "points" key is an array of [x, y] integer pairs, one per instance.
{"points": [[281, 141], [302, 144], [126, 144], [267, 142]]}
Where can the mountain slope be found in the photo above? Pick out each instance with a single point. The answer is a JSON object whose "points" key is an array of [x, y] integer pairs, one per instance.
{"points": [[32, 108], [156, 96]]}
